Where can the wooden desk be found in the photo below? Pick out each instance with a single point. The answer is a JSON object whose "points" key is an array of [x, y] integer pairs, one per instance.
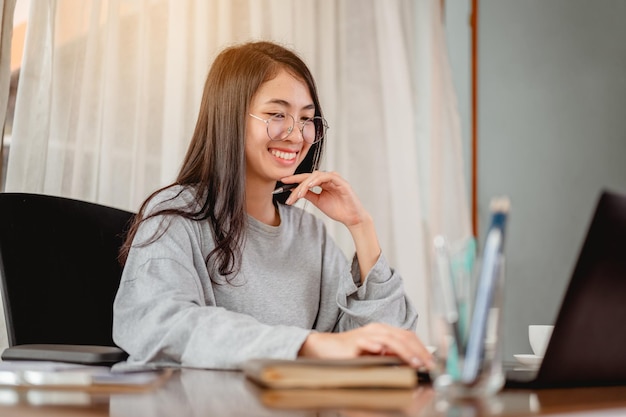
{"points": [[214, 393]]}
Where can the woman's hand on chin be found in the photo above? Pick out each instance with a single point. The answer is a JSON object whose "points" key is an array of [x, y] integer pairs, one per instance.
{"points": [[330, 193]]}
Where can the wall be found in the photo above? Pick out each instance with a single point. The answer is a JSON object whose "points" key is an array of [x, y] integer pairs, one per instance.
{"points": [[552, 134]]}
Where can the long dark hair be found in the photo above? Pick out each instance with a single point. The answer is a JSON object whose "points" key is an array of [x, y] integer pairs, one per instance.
{"points": [[215, 160]]}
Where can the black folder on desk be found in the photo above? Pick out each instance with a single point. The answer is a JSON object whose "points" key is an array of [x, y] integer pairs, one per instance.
{"points": [[83, 354], [588, 343]]}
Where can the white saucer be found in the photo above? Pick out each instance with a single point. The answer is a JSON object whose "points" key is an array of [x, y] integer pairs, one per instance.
{"points": [[529, 360]]}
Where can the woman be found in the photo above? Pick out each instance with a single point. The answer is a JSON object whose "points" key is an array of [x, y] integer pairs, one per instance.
{"points": [[218, 270]]}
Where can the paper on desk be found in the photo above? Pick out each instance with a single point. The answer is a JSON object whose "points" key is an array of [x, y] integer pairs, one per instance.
{"points": [[44, 373]]}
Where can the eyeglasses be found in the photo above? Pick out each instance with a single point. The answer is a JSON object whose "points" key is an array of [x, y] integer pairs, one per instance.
{"points": [[280, 126]]}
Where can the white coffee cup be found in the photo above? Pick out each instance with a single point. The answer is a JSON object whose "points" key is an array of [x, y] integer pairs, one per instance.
{"points": [[539, 336]]}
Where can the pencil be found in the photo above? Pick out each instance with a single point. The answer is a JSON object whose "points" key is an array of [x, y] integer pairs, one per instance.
{"points": [[284, 188]]}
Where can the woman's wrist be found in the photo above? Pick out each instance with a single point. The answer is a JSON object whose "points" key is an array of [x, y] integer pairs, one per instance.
{"points": [[309, 347], [366, 244]]}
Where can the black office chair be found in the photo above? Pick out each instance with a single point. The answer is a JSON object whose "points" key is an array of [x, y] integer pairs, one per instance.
{"points": [[59, 275]]}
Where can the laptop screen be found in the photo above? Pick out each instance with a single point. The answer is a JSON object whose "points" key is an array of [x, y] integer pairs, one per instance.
{"points": [[588, 343]]}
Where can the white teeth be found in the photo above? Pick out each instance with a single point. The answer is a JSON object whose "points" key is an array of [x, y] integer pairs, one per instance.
{"points": [[283, 155]]}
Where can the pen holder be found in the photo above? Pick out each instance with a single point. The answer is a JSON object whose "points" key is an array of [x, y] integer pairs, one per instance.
{"points": [[466, 314]]}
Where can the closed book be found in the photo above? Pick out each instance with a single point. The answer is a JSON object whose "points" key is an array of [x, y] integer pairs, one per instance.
{"points": [[343, 398], [364, 371]]}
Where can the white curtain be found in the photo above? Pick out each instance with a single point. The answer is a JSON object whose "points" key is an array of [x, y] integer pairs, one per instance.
{"points": [[109, 92], [443, 196], [7, 8]]}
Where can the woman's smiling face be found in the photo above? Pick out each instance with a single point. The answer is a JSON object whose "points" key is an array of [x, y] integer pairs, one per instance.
{"points": [[270, 160]]}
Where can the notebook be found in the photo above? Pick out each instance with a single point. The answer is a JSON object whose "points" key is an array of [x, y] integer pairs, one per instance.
{"points": [[588, 343]]}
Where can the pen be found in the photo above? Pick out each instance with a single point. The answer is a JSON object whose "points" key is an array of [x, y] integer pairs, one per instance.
{"points": [[447, 286], [462, 265], [284, 188], [449, 298], [485, 291]]}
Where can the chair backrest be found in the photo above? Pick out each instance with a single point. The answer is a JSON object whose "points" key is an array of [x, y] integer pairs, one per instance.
{"points": [[59, 268]]}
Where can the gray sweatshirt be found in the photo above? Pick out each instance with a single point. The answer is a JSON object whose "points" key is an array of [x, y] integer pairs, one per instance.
{"points": [[293, 280]]}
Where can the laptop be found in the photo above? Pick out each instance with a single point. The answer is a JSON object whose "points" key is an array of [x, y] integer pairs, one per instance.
{"points": [[588, 343]]}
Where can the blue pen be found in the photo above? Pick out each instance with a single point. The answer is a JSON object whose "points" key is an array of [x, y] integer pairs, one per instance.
{"points": [[485, 291]]}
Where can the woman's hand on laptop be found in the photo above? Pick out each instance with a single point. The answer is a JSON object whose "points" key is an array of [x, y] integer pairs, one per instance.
{"points": [[372, 339]]}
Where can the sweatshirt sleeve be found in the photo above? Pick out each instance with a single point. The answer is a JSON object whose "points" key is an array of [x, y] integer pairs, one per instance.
{"points": [[165, 313], [381, 298]]}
